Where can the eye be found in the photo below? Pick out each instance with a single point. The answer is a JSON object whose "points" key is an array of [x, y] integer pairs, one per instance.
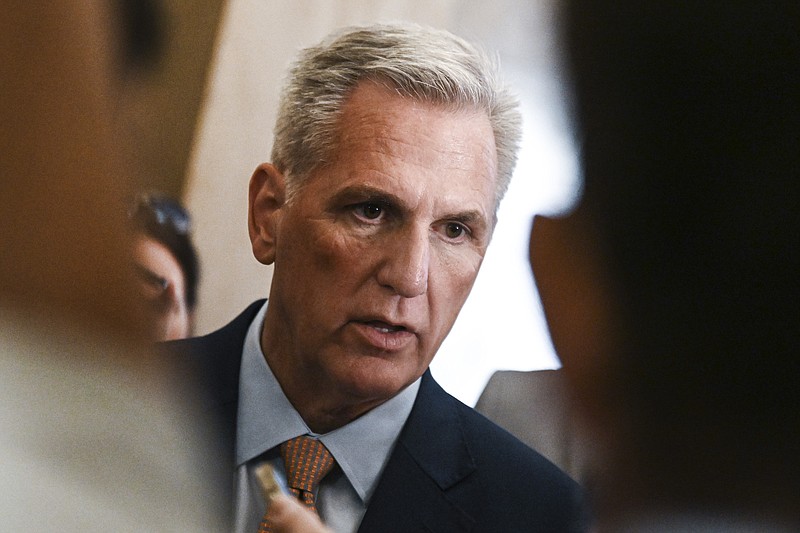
{"points": [[454, 230], [369, 211]]}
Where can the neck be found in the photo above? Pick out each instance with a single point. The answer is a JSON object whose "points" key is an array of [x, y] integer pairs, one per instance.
{"points": [[322, 403]]}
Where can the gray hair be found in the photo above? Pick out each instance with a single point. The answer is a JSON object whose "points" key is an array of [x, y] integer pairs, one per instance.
{"points": [[417, 62]]}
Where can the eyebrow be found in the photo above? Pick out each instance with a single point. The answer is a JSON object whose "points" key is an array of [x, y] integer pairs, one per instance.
{"points": [[363, 193]]}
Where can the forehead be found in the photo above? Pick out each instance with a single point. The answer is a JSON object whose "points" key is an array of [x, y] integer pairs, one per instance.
{"points": [[384, 138]]}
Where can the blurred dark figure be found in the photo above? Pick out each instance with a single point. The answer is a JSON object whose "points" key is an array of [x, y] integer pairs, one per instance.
{"points": [[671, 291], [166, 265]]}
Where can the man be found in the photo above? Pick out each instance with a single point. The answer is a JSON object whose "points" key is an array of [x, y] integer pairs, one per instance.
{"points": [[671, 292], [393, 148], [166, 265]]}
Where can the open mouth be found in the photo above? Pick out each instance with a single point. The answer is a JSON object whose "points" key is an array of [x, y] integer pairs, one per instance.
{"points": [[383, 335], [383, 327]]}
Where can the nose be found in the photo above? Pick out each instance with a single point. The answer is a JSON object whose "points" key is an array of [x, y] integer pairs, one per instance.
{"points": [[407, 263]]}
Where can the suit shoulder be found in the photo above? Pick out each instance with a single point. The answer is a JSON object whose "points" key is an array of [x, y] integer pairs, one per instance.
{"points": [[228, 337]]}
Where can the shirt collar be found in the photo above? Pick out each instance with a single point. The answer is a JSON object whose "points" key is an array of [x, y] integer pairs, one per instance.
{"points": [[266, 418]]}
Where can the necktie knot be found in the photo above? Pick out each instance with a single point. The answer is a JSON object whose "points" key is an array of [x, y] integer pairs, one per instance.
{"points": [[307, 461]]}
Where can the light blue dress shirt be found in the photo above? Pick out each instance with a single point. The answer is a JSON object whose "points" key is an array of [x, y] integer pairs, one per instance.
{"points": [[266, 418]]}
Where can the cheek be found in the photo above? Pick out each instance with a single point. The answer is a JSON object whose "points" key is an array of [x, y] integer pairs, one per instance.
{"points": [[330, 253], [458, 267], [341, 255], [450, 282]]}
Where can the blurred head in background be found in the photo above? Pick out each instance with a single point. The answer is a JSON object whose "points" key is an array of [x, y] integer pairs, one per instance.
{"points": [[670, 291], [166, 265]]}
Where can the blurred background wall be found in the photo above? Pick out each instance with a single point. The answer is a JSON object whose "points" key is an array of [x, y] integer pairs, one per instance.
{"points": [[205, 122]]}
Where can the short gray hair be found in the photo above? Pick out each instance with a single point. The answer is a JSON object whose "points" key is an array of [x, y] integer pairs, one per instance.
{"points": [[415, 61]]}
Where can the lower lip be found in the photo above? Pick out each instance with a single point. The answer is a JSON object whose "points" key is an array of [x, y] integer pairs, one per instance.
{"points": [[384, 340]]}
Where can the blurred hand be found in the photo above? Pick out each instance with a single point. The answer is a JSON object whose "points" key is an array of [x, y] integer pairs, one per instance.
{"points": [[289, 516]]}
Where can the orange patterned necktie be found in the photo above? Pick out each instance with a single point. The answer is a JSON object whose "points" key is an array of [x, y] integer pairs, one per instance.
{"points": [[307, 461]]}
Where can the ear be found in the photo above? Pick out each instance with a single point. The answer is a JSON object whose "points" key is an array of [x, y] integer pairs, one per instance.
{"points": [[266, 196]]}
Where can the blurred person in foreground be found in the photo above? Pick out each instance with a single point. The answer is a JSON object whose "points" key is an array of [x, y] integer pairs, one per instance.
{"points": [[393, 148], [96, 436], [166, 265], [671, 291]]}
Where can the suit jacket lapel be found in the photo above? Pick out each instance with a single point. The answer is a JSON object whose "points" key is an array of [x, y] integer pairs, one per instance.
{"points": [[423, 484]]}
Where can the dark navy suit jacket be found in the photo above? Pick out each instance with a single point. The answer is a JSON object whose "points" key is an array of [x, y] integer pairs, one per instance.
{"points": [[451, 470]]}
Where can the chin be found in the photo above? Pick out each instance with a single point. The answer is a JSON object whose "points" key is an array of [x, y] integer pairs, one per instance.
{"points": [[372, 383]]}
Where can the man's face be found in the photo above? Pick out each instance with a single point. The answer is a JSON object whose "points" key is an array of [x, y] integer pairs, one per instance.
{"points": [[377, 252]]}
